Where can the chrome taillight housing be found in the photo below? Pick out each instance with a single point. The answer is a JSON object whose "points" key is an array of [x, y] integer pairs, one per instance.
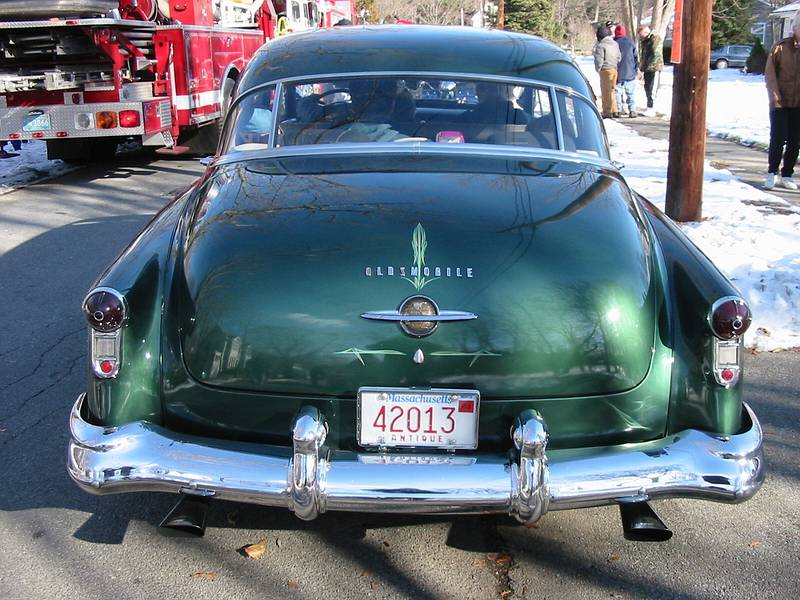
{"points": [[728, 318], [105, 311]]}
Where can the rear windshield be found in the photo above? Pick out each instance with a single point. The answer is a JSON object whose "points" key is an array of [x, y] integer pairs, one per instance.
{"points": [[403, 109]]}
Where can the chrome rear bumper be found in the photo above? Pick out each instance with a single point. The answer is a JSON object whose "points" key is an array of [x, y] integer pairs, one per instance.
{"points": [[312, 480]]}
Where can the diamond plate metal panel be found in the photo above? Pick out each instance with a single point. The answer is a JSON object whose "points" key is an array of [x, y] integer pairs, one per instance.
{"points": [[62, 118]]}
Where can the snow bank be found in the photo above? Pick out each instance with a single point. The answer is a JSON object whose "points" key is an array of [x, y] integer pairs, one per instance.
{"points": [[752, 236], [31, 165], [737, 107]]}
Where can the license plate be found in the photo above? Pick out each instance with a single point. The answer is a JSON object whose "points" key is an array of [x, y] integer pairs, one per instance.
{"points": [[36, 121], [407, 418]]}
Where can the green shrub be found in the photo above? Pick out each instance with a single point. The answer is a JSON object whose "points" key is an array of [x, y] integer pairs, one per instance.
{"points": [[757, 61]]}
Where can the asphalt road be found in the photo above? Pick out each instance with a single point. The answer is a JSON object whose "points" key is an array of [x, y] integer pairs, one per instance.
{"points": [[58, 542]]}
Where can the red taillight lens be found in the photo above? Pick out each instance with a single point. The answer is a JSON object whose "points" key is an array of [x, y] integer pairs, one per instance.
{"points": [[730, 317], [104, 310], [129, 118]]}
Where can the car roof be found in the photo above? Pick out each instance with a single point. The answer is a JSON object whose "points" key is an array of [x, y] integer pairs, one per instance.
{"points": [[413, 48]]}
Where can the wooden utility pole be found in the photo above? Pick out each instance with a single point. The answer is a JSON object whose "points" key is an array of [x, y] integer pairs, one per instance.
{"points": [[687, 129], [501, 14]]}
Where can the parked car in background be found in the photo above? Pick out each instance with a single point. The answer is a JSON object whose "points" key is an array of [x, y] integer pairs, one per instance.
{"points": [[377, 300], [733, 55]]}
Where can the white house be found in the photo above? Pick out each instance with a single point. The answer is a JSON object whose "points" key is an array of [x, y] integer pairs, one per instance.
{"points": [[781, 20]]}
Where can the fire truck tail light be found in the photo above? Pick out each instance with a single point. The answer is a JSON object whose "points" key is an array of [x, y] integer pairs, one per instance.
{"points": [[106, 119], [14, 136], [61, 134], [37, 135], [129, 118], [84, 121]]}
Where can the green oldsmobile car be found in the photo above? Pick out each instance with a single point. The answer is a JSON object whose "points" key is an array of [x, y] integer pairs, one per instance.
{"points": [[413, 281]]}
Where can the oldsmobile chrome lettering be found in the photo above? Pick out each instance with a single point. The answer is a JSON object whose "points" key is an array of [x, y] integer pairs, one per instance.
{"points": [[418, 274]]}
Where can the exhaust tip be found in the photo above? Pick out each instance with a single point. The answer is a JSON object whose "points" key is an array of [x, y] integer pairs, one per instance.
{"points": [[188, 517], [640, 523]]}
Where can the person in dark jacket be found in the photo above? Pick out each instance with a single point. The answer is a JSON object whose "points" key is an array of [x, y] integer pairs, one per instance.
{"points": [[626, 71]]}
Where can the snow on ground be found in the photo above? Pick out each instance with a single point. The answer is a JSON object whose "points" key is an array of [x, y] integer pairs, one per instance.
{"points": [[31, 165], [755, 245], [737, 107]]}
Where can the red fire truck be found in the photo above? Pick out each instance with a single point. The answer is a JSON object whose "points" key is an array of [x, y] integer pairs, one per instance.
{"points": [[84, 75]]}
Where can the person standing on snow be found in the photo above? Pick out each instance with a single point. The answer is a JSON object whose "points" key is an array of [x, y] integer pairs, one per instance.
{"points": [[652, 60], [626, 71], [606, 59], [783, 88]]}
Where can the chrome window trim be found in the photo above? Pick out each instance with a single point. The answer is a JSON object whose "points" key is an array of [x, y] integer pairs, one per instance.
{"points": [[276, 103], [552, 88], [416, 149], [417, 75], [557, 115]]}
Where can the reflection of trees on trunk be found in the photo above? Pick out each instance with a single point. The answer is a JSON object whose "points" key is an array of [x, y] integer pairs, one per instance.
{"points": [[592, 193], [267, 239], [524, 223]]}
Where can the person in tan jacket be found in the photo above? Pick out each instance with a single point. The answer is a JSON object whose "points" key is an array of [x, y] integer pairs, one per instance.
{"points": [[783, 88], [606, 60]]}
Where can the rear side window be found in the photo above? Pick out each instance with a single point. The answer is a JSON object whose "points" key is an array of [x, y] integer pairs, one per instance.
{"points": [[253, 119], [580, 126]]}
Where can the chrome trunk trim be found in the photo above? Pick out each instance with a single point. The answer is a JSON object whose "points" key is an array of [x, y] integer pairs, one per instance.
{"points": [[396, 316], [310, 480]]}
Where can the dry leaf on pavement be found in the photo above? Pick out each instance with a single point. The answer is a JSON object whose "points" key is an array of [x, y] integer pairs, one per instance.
{"points": [[499, 559], [256, 551], [210, 575], [292, 584]]}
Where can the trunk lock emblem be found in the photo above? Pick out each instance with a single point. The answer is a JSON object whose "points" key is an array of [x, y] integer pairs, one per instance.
{"points": [[418, 306], [418, 316]]}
